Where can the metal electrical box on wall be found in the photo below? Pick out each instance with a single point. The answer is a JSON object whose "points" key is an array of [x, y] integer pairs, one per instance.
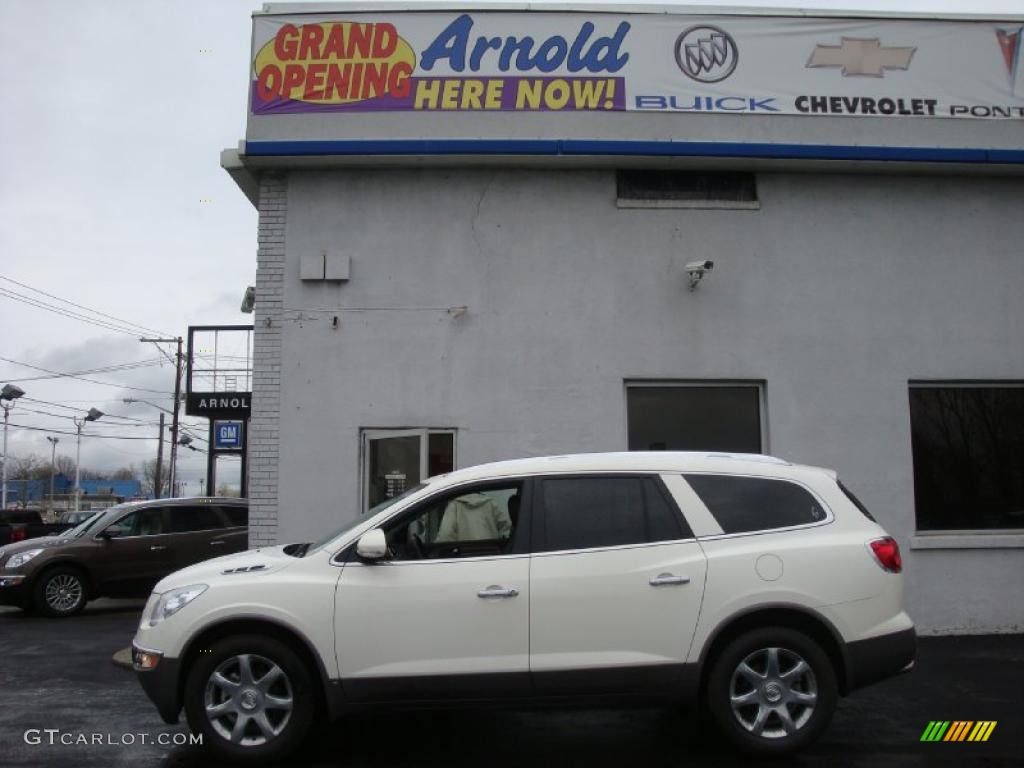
{"points": [[325, 265]]}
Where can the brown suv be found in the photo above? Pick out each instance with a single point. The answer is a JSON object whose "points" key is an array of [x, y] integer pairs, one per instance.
{"points": [[121, 552]]}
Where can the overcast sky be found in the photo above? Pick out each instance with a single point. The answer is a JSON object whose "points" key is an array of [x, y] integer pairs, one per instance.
{"points": [[113, 120]]}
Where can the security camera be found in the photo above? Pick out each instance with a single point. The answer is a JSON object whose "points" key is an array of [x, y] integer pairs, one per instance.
{"points": [[696, 270]]}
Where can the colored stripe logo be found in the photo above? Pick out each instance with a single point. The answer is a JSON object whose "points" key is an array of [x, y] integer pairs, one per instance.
{"points": [[958, 730]]}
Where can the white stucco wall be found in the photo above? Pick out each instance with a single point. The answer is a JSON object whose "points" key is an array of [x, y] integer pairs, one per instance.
{"points": [[835, 293]]}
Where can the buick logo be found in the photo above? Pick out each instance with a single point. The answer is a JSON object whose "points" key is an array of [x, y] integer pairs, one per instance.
{"points": [[706, 54]]}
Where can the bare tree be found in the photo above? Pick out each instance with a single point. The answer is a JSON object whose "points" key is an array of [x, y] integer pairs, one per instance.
{"points": [[149, 476], [30, 466], [124, 473], [64, 465]]}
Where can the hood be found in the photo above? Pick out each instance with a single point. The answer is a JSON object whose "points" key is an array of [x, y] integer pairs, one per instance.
{"points": [[241, 565], [43, 542]]}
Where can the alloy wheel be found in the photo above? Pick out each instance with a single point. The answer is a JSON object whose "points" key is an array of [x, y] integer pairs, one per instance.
{"points": [[773, 693], [248, 700], [63, 592]]}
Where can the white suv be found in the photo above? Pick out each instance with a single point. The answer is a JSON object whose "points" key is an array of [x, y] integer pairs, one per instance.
{"points": [[759, 589]]}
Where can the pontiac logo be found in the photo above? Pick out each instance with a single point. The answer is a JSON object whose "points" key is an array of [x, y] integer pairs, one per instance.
{"points": [[706, 54], [1009, 44], [861, 57]]}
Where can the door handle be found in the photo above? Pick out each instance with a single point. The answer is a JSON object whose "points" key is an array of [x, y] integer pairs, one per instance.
{"points": [[157, 548], [497, 591], [666, 579], [217, 543]]}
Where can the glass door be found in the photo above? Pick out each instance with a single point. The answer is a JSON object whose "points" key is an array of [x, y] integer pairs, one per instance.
{"points": [[395, 460]]}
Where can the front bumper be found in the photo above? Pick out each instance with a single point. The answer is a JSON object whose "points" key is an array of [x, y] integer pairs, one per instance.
{"points": [[14, 589], [160, 683], [877, 658]]}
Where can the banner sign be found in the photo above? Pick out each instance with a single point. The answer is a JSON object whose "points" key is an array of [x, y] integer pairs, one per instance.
{"points": [[559, 62]]}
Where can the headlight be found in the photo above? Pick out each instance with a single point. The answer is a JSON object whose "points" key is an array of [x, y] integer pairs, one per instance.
{"points": [[21, 558], [172, 602]]}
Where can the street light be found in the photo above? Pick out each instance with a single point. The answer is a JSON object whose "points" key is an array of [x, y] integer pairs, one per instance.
{"points": [[93, 415], [53, 464], [8, 395]]}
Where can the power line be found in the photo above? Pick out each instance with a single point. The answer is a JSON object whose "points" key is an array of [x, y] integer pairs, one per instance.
{"points": [[103, 369], [90, 435], [63, 374], [119, 320], [79, 410], [14, 296]]}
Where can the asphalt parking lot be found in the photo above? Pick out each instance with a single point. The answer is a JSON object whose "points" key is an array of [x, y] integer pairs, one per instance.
{"points": [[58, 674]]}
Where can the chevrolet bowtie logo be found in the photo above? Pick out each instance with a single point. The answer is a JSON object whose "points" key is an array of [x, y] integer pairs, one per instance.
{"points": [[861, 57]]}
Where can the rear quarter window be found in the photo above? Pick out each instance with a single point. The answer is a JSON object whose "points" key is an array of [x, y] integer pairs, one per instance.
{"points": [[238, 516], [746, 504]]}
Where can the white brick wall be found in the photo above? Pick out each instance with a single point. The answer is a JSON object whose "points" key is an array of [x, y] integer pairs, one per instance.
{"points": [[266, 389]]}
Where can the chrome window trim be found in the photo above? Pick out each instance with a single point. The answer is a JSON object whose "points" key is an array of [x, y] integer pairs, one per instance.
{"points": [[829, 515], [400, 563], [518, 478], [613, 547]]}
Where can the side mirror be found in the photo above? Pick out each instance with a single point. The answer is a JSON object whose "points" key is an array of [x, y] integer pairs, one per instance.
{"points": [[113, 532], [372, 545]]}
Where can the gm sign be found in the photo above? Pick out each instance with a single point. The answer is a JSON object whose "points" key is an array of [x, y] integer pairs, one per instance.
{"points": [[227, 435]]}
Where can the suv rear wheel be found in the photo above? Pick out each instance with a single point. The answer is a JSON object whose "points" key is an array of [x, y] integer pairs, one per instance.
{"points": [[60, 592], [771, 691], [251, 697]]}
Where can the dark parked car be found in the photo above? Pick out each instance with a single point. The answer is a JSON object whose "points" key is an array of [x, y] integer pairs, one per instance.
{"points": [[122, 552], [20, 524]]}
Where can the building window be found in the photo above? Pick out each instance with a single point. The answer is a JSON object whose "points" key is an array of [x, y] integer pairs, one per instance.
{"points": [[686, 189], [395, 460], [968, 446], [695, 417]]}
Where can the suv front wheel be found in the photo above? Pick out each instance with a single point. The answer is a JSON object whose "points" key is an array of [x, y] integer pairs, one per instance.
{"points": [[60, 592], [251, 697], [771, 691]]}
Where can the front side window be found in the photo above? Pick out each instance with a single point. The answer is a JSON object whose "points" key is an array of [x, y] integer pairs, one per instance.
{"points": [[589, 512], [745, 504], [475, 523], [968, 448], [141, 522]]}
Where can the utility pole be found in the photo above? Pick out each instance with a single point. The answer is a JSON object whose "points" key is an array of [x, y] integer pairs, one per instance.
{"points": [[10, 393], [174, 412], [174, 419], [157, 485], [93, 415], [53, 464]]}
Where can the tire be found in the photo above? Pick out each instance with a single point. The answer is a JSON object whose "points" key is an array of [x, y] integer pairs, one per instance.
{"points": [[60, 592], [779, 708], [270, 730]]}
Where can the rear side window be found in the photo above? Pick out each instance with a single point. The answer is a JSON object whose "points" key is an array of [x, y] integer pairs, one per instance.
{"points": [[856, 502], [202, 517], [743, 504], [238, 517], [588, 512]]}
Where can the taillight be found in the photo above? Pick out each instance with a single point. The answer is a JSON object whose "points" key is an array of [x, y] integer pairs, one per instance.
{"points": [[887, 553], [18, 534]]}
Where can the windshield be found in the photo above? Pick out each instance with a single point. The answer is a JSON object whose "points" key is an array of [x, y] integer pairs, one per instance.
{"points": [[363, 518], [89, 523]]}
